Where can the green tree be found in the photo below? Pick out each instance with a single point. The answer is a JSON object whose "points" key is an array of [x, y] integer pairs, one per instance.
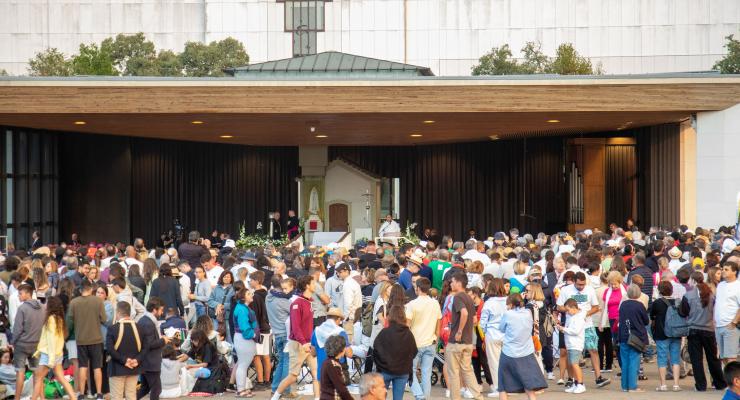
{"points": [[568, 62], [535, 61], [50, 62], [133, 55], [3, 72], [199, 59], [168, 63], [93, 60], [730, 64], [497, 62]]}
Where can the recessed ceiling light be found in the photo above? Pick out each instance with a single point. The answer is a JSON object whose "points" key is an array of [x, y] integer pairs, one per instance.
{"points": [[494, 137], [80, 122], [553, 121], [196, 122], [321, 136], [429, 121], [226, 136], [416, 135]]}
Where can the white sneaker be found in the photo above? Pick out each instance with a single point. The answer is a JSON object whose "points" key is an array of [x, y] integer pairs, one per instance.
{"points": [[550, 376], [467, 394], [493, 394], [447, 393], [570, 389], [579, 389]]}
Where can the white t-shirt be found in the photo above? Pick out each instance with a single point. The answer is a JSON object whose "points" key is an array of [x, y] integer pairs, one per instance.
{"points": [[726, 303], [214, 274], [475, 255], [585, 299]]}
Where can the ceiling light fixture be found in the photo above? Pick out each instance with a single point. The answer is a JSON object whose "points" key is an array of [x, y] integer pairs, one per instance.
{"points": [[226, 136], [429, 121], [416, 135], [80, 122], [196, 122], [321, 136], [553, 121], [494, 137]]}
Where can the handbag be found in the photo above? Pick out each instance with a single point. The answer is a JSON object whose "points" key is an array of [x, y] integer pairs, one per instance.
{"points": [[634, 341], [212, 311]]}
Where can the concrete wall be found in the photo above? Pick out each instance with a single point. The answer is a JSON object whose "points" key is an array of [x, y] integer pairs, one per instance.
{"points": [[717, 167], [626, 36]]}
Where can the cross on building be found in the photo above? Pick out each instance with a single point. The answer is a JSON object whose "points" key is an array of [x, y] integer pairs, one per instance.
{"points": [[304, 18]]}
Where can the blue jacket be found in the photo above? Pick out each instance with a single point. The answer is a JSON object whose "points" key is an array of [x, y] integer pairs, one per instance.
{"points": [[245, 321], [221, 295]]}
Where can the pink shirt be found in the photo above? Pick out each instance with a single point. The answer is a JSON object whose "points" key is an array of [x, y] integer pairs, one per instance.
{"points": [[612, 304]]}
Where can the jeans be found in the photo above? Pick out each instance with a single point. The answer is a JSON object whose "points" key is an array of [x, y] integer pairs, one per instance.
{"points": [[200, 309], [547, 359], [399, 384], [630, 366], [699, 342], [426, 357], [668, 350], [281, 369]]}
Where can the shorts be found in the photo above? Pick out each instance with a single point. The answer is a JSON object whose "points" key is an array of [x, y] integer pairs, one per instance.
{"points": [[21, 356], [592, 339], [264, 348], [668, 349], [727, 342], [71, 346], [561, 341], [297, 357], [574, 356], [44, 360], [92, 354]]}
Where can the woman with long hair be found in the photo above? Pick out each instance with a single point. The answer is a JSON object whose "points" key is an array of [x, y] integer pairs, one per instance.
{"points": [[245, 330], [697, 306], [397, 297], [50, 350], [151, 272], [535, 297], [206, 361], [135, 278], [713, 277], [394, 351], [41, 282]]}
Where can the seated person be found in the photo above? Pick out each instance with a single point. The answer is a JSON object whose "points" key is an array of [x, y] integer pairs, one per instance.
{"points": [[205, 324], [176, 381], [331, 327], [211, 375], [173, 320]]}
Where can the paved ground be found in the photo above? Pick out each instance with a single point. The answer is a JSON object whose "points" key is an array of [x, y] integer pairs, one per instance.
{"points": [[609, 392]]}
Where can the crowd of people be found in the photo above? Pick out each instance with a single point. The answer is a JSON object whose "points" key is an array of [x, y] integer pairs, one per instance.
{"points": [[486, 317]]}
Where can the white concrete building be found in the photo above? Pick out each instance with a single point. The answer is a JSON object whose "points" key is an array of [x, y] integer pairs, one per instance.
{"points": [[448, 36]]}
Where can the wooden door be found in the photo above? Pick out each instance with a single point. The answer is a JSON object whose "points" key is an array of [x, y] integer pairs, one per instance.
{"points": [[338, 218]]}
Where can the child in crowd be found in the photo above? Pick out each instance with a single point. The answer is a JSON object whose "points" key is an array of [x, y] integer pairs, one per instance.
{"points": [[575, 337], [332, 380], [732, 377]]}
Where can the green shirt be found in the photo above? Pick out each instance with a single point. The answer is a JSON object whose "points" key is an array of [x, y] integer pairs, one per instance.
{"points": [[439, 268]]}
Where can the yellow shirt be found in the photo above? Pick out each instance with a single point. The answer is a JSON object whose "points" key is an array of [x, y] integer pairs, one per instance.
{"points": [[423, 314], [51, 342]]}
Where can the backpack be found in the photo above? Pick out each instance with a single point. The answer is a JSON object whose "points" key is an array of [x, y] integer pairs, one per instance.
{"points": [[446, 322], [367, 319], [547, 325], [675, 325]]}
